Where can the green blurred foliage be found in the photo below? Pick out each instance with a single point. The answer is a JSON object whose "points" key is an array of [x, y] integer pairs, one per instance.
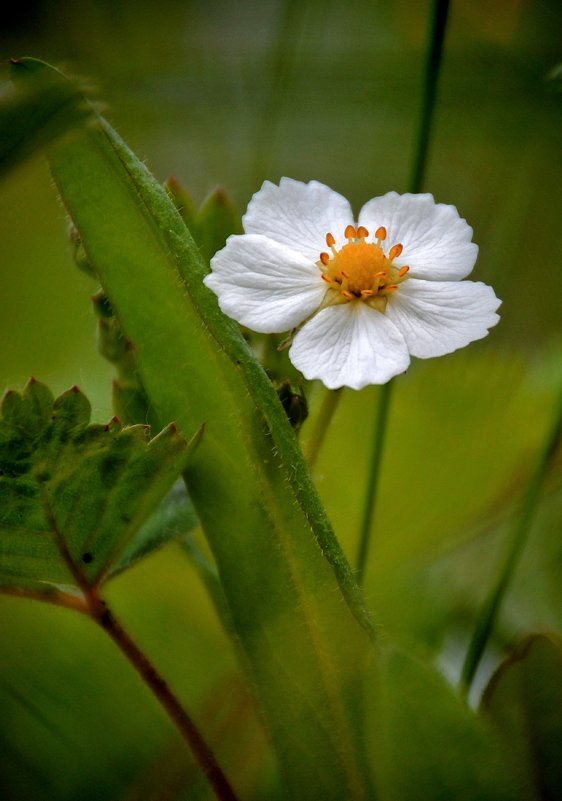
{"points": [[221, 93]]}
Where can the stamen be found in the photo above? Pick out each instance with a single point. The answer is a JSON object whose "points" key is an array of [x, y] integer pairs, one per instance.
{"points": [[395, 251], [403, 270], [324, 258], [390, 288], [350, 232], [362, 232], [367, 293], [347, 295], [330, 240], [325, 277], [380, 274], [380, 233]]}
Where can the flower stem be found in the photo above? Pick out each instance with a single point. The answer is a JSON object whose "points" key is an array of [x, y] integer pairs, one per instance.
{"points": [[436, 37], [329, 405], [373, 480], [189, 731], [529, 504]]}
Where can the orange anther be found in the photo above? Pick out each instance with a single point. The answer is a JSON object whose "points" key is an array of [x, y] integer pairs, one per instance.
{"points": [[380, 233], [367, 293], [347, 295], [391, 287], [362, 232], [330, 240], [395, 251], [350, 232], [381, 274], [344, 274], [326, 278], [324, 258], [403, 270]]}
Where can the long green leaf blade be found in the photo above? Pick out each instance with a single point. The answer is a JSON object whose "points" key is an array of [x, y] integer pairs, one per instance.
{"points": [[293, 599]]}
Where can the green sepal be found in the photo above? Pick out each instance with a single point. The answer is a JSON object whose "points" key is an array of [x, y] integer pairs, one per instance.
{"points": [[182, 200], [211, 224], [215, 221]]}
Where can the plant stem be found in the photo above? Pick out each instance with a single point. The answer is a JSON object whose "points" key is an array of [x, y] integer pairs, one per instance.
{"points": [[99, 611], [529, 505], [329, 405], [436, 38], [373, 480], [152, 678]]}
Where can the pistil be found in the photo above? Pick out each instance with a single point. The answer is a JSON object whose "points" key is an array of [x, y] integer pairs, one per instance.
{"points": [[361, 270]]}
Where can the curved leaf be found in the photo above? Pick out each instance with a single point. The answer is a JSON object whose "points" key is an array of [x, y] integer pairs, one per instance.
{"points": [[524, 702], [293, 599], [426, 743]]}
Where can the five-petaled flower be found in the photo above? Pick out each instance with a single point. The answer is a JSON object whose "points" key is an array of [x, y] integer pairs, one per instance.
{"points": [[363, 296]]}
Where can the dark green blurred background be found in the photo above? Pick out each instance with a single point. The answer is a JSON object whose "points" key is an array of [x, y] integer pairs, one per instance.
{"points": [[231, 93]]}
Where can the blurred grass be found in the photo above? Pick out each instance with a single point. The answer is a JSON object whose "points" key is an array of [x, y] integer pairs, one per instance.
{"points": [[187, 83]]}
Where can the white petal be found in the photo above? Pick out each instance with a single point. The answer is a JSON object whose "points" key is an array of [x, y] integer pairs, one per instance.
{"points": [[439, 317], [298, 215], [264, 285], [437, 242], [349, 345]]}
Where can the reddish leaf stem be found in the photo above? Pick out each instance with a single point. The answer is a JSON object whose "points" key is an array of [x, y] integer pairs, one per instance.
{"points": [[202, 752], [99, 611]]}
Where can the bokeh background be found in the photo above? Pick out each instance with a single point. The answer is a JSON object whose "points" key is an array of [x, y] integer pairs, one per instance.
{"points": [[230, 93]]}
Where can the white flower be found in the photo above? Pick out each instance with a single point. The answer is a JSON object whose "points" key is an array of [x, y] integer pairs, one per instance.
{"points": [[363, 296]]}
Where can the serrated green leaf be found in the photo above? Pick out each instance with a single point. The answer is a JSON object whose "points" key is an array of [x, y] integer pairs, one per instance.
{"points": [[425, 743], [524, 703], [174, 518], [74, 495], [294, 602]]}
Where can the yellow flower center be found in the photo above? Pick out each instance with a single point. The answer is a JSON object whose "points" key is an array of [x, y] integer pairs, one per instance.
{"points": [[360, 270]]}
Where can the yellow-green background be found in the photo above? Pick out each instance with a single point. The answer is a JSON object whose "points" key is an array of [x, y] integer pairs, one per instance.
{"points": [[231, 93]]}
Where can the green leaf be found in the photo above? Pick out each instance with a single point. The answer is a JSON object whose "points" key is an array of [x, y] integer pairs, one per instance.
{"points": [[524, 702], [293, 599], [33, 114], [426, 743], [173, 519], [212, 224], [74, 495]]}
